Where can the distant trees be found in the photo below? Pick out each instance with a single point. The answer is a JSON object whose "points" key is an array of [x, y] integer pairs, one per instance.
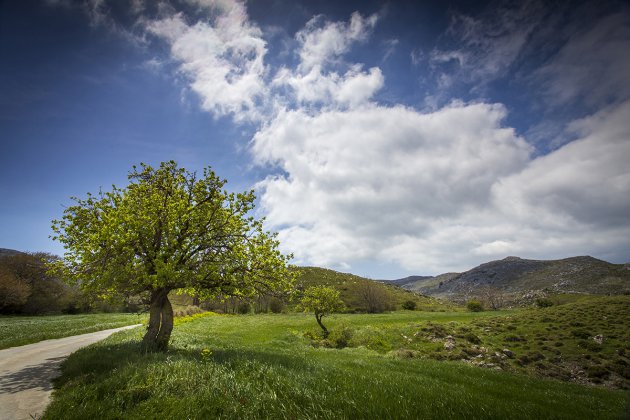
{"points": [[169, 229], [26, 286], [322, 301], [13, 292]]}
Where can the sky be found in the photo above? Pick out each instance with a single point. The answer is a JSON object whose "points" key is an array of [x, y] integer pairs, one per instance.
{"points": [[382, 138]]}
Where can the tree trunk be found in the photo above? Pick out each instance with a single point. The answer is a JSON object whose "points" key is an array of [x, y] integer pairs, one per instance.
{"points": [[319, 321], [160, 322], [166, 328]]}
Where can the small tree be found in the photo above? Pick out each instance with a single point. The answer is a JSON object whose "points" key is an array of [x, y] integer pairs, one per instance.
{"points": [[492, 297], [322, 301], [374, 297], [169, 229]]}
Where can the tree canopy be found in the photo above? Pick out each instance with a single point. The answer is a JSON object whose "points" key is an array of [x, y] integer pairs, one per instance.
{"points": [[169, 229], [322, 301]]}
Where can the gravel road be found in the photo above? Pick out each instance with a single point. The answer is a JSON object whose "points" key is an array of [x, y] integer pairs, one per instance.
{"points": [[26, 373]]}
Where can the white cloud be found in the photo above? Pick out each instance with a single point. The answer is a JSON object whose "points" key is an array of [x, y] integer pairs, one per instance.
{"points": [[223, 58], [376, 174], [390, 46], [584, 183], [321, 44]]}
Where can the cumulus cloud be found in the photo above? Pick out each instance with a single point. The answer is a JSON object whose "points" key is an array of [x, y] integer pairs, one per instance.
{"points": [[322, 42], [586, 182], [223, 59], [433, 191], [376, 174], [321, 77]]}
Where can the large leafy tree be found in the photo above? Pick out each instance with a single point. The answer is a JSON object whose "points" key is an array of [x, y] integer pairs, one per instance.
{"points": [[169, 229]]}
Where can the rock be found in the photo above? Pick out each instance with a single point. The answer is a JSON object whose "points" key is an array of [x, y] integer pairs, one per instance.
{"points": [[499, 355], [599, 339], [449, 345], [509, 353]]}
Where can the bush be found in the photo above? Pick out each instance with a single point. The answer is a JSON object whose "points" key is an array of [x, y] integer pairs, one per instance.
{"points": [[597, 371], [340, 337], [474, 306], [544, 302], [276, 305], [410, 305], [472, 338]]}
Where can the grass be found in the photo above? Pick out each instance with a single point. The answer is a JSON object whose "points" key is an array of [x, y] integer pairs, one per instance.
{"points": [[557, 342], [265, 366], [21, 330]]}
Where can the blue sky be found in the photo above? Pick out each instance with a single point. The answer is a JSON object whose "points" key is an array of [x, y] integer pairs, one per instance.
{"points": [[383, 138]]}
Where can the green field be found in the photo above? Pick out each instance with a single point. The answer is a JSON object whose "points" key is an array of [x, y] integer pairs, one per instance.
{"points": [[21, 330], [275, 366]]}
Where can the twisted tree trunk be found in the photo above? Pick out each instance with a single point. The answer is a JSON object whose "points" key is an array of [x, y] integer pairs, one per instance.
{"points": [[319, 317], [164, 335], [160, 322]]}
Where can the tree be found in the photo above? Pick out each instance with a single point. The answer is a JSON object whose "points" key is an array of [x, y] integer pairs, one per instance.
{"points": [[169, 229], [375, 297], [32, 289], [492, 296], [13, 292], [322, 301]]}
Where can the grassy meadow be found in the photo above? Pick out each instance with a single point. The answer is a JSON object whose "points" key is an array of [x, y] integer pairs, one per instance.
{"points": [[394, 365], [21, 330]]}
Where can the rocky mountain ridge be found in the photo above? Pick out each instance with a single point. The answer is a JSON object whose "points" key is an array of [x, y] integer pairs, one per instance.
{"points": [[583, 274]]}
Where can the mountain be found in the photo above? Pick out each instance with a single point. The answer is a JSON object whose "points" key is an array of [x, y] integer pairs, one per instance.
{"points": [[519, 276], [408, 280], [5, 252]]}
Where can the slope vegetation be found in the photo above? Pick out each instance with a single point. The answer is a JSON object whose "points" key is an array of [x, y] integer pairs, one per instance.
{"points": [[364, 295]]}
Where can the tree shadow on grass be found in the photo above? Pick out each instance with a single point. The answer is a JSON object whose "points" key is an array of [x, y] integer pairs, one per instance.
{"points": [[94, 362]]}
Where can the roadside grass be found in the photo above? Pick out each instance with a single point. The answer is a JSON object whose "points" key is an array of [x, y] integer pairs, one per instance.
{"points": [[263, 366], [21, 330]]}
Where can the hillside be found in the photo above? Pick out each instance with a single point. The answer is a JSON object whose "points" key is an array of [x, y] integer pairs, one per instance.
{"points": [[5, 252], [363, 295], [516, 275], [409, 280]]}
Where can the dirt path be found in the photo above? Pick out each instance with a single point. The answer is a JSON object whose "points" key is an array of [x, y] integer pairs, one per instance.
{"points": [[26, 373]]}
